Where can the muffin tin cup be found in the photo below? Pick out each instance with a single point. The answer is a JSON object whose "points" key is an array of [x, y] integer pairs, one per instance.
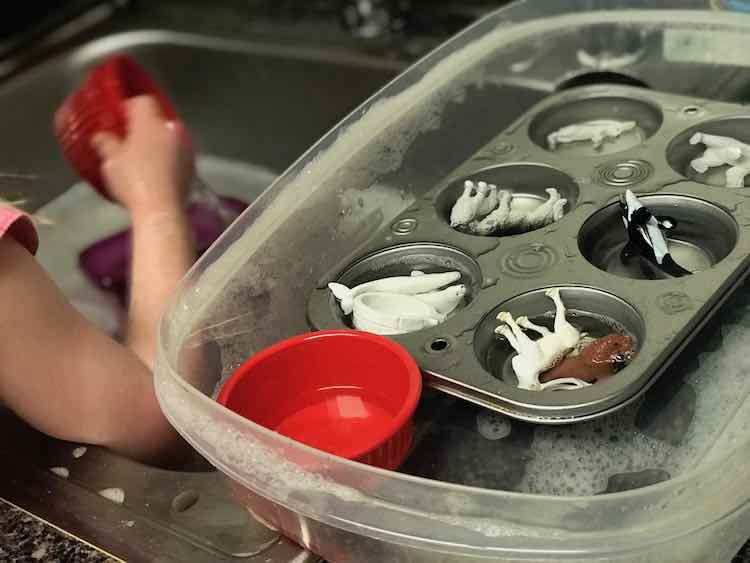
{"points": [[680, 152], [705, 234], [578, 254]]}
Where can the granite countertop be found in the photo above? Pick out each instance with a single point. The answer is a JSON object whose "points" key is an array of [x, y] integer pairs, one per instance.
{"points": [[24, 537]]}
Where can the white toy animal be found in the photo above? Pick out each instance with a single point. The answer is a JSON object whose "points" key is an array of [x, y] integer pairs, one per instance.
{"points": [[549, 212], [534, 357], [488, 196], [400, 304], [417, 282], [722, 151], [505, 217], [596, 131], [497, 220], [466, 206], [716, 157], [445, 300], [564, 383], [393, 313]]}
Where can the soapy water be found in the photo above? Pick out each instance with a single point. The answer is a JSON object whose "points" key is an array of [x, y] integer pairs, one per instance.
{"points": [[492, 425], [695, 413], [539, 468]]}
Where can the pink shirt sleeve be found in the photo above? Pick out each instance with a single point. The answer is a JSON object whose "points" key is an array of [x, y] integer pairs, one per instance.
{"points": [[17, 224]]}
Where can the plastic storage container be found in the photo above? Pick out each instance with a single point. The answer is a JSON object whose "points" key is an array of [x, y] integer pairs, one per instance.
{"points": [[681, 451]]}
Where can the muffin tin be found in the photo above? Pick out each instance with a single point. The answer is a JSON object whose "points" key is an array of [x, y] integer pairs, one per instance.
{"points": [[579, 254]]}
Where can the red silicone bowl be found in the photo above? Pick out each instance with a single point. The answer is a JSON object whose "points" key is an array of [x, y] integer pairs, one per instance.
{"points": [[97, 106], [346, 392]]}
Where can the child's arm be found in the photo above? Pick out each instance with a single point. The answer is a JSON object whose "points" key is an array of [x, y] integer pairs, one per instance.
{"points": [[65, 377], [60, 373], [150, 173]]}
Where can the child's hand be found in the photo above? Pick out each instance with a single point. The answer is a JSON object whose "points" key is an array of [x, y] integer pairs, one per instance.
{"points": [[150, 171]]}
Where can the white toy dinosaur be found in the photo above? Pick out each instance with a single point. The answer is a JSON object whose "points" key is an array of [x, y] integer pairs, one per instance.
{"points": [[534, 357], [400, 304], [722, 151], [596, 131]]}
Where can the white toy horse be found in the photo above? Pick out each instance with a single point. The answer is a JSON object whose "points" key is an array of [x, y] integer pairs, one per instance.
{"points": [[534, 357]]}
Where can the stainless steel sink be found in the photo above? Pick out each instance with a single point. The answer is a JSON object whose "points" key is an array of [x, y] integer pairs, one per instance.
{"points": [[244, 102], [249, 102]]}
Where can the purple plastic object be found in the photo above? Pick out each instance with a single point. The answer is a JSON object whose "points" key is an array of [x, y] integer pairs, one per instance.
{"points": [[106, 263]]}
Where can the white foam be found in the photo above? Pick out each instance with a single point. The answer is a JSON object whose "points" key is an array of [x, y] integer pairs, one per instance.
{"points": [[492, 425], [63, 472], [115, 494]]}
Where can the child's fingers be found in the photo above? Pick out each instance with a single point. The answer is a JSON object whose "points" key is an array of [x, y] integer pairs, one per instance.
{"points": [[142, 107], [62, 116], [105, 145]]}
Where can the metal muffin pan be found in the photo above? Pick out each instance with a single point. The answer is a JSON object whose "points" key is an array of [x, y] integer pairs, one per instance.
{"points": [[578, 254]]}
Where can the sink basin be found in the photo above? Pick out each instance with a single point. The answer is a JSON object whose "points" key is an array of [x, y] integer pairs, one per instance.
{"points": [[246, 102], [249, 107], [372, 187]]}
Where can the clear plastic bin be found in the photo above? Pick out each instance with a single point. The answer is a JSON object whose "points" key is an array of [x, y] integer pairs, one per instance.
{"points": [[250, 290]]}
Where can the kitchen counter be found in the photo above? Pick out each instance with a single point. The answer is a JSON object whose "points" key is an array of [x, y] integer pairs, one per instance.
{"points": [[24, 537]]}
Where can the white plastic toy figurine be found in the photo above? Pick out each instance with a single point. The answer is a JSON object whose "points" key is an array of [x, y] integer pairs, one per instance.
{"points": [[564, 384], [393, 313], [488, 195], [466, 206], [549, 212], [505, 217], [722, 151], [534, 357], [596, 131], [444, 301], [417, 282], [497, 220], [400, 304]]}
